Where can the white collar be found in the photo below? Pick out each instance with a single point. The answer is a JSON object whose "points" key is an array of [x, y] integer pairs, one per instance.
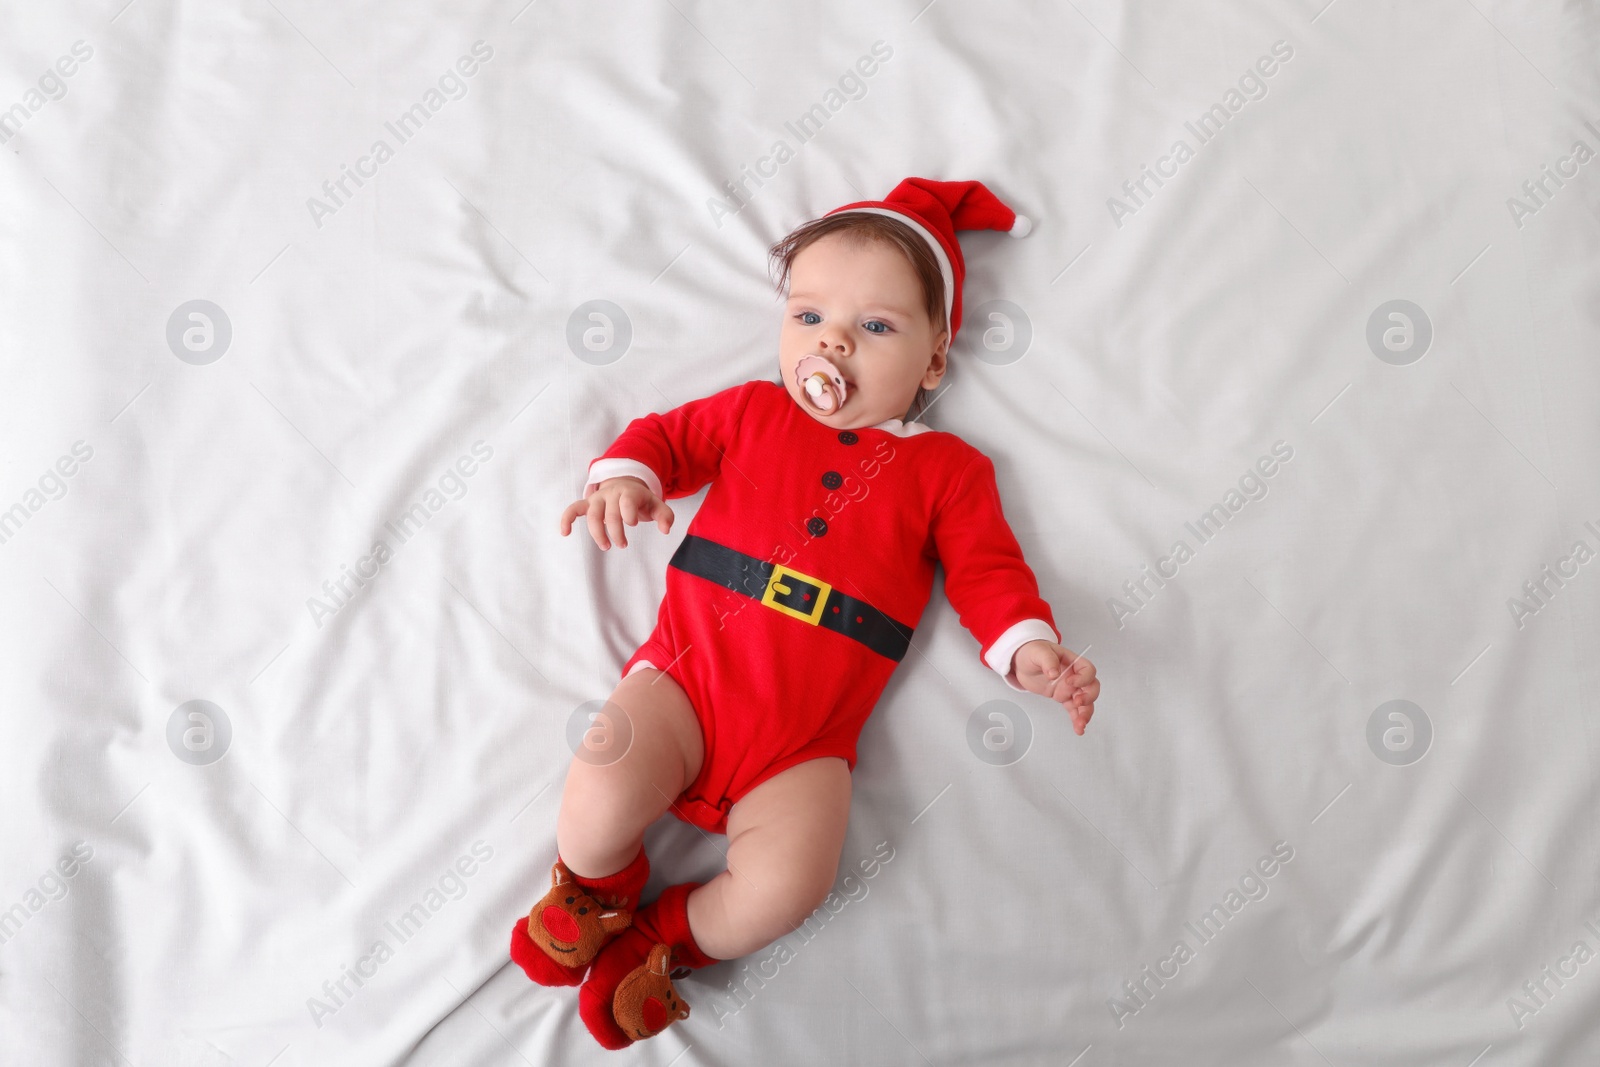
{"points": [[901, 429]]}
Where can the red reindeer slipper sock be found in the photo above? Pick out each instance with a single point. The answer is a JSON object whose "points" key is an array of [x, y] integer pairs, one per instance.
{"points": [[629, 995], [558, 939]]}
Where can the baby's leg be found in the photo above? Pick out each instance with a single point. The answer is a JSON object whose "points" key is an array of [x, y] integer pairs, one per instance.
{"points": [[607, 804], [784, 839]]}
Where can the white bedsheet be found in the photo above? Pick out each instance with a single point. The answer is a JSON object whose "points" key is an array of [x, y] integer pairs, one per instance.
{"points": [[181, 497]]}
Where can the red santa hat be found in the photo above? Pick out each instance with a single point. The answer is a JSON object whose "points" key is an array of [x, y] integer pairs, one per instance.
{"points": [[935, 211]]}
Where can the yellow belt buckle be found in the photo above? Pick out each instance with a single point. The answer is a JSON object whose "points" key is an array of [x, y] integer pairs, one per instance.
{"points": [[779, 571]]}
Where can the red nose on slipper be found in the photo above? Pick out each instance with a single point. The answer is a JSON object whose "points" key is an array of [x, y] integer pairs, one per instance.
{"points": [[560, 923], [555, 943]]}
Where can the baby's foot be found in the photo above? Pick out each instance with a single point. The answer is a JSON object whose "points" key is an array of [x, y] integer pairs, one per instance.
{"points": [[629, 994], [564, 932]]}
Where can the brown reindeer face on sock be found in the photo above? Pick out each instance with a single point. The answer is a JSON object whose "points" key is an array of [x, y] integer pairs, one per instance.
{"points": [[568, 924], [645, 1002]]}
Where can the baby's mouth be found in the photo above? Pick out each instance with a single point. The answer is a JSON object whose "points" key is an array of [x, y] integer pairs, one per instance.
{"points": [[825, 388]]}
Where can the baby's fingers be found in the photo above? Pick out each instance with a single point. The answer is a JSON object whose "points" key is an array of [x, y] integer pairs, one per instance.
{"points": [[1081, 717], [597, 528], [662, 514], [573, 511], [614, 523], [653, 508]]}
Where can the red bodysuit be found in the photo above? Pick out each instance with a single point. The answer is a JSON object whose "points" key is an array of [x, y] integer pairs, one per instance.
{"points": [[797, 586]]}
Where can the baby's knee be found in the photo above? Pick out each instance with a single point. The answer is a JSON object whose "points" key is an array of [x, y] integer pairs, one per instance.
{"points": [[814, 886], [782, 904], [748, 910], [595, 827]]}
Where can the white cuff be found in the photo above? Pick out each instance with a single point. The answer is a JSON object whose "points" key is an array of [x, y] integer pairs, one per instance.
{"points": [[1005, 647], [616, 467]]}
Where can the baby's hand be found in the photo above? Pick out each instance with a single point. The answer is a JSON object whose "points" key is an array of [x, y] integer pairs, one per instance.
{"points": [[1050, 670], [616, 502]]}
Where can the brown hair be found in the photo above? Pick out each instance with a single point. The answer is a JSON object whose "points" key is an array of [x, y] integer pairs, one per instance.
{"points": [[863, 227]]}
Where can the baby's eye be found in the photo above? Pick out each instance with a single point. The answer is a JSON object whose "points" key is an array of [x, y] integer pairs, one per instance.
{"points": [[810, 318], [872, 326]]}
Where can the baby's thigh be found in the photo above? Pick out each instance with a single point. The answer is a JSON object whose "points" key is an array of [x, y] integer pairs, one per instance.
{"points": [[787, 832], [638, 753]]}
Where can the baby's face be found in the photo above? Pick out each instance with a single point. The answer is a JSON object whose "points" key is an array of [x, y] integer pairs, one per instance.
{"points": [[860, 305]]}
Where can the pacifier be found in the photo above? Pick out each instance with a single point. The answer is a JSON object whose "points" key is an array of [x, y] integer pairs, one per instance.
{"points": [[824, 387]]}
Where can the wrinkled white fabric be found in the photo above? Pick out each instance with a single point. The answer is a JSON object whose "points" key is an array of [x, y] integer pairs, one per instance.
{"points": [[329, 515]]}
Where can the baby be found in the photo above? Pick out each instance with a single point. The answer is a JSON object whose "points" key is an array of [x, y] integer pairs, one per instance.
{"points": [[793, 596]]}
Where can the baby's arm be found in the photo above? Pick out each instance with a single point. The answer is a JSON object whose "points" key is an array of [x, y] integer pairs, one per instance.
{"points": [[676, 452], [658, 457], [996, 595]]}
